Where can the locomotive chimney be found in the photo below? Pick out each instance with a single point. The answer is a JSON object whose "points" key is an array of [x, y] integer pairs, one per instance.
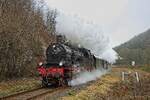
{"points": [[61, 39]]}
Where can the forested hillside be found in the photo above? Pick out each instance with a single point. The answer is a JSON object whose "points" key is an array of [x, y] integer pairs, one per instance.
{"points": [[25, 32], [137, 49]]}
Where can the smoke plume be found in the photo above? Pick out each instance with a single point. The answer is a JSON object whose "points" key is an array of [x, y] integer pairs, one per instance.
{"points": [[87, 34], [87, 76]]}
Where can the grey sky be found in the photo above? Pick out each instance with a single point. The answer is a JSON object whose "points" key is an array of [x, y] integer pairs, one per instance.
{"points": [[120, 19]]}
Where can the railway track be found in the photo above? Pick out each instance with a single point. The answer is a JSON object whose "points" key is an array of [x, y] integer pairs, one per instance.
{"points": [[33, 94]]}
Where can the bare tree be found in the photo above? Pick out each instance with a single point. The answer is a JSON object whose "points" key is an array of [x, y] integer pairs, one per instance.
{"points": [[23, 33]]}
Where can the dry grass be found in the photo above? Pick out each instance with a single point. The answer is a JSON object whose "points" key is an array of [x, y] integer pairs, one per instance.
{"points": [[102, 86], [16, 86], [110, 87]]}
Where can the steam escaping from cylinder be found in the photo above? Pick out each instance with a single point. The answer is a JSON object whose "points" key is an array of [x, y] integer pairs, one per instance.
{"points": [[85, 77], [87, 34]]}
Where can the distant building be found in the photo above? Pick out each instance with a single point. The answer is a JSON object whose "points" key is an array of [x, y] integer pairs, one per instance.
{"points": [[133, 63]]}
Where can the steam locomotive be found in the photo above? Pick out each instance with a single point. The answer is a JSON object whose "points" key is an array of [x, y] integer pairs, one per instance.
{"points": [[65, 61]]}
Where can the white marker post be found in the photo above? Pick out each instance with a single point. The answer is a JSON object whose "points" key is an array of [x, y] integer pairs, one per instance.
{"points": [[123, 76], [137, 76]]}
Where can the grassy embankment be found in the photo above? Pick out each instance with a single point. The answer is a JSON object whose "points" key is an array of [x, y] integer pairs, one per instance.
{"points": [[145, 68], [17, 86], [111, 87]]}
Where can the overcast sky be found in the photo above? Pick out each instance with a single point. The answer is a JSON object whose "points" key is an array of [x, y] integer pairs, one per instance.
{"points": [[120, 19]]}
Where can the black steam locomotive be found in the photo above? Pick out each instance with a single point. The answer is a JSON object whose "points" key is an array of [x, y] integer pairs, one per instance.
{"points": [[65, 61]]}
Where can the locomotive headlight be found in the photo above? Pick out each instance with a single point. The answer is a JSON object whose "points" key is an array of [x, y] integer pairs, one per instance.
{"points": [[40, 64], [54, 46], [61, 63]]}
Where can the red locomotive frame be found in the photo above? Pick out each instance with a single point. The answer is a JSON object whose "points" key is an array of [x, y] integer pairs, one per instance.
{"points": [[60, 75]]}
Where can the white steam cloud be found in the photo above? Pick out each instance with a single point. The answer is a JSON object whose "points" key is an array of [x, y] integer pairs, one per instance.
{"points": [[87, 76], [87, 34]]}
